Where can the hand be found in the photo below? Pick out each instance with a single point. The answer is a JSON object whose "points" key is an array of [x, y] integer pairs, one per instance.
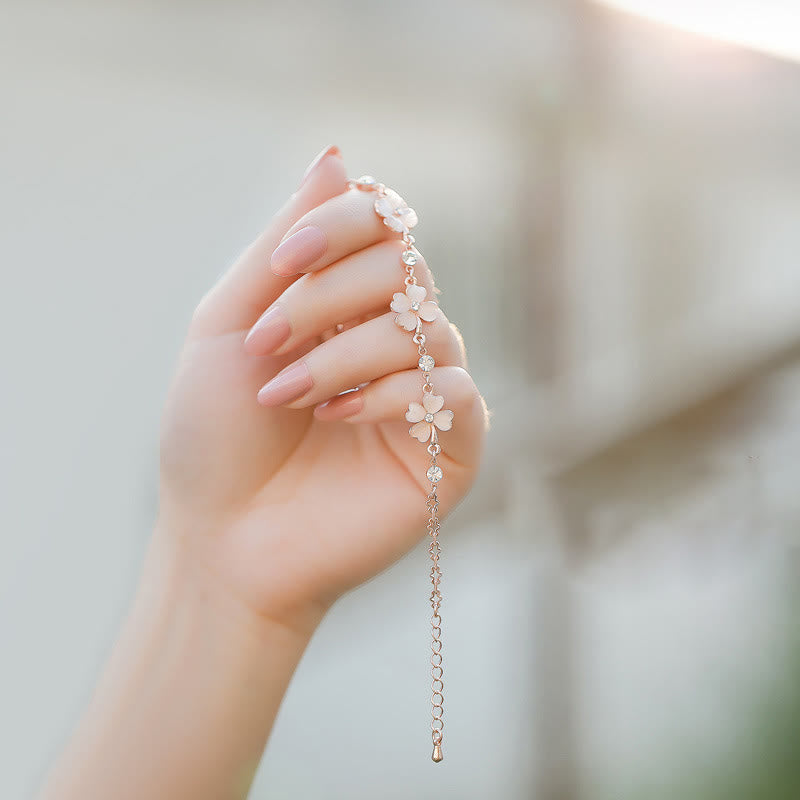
{"points": [[287, 496], [274, 500]]}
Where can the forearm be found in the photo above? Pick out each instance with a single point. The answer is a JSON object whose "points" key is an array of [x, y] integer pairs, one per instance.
{"points": [[188, 698]]}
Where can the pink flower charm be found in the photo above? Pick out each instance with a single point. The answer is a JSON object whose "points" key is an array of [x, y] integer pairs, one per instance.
{"points": [[396, 214], [411, 305], [427, 416]]}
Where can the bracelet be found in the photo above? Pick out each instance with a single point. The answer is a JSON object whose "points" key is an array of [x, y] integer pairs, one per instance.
{"points": [[428, 416]]}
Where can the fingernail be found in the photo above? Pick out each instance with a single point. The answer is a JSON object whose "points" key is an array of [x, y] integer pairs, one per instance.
{"points": [[341, 407], [269, 333], [286, 386], [333, 150], [299, 251]]}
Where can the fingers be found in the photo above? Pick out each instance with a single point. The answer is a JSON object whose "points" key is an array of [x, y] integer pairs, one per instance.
{"points": [[387, 400], [369, 351], [342, 225], [357, 286], [249, 286]]}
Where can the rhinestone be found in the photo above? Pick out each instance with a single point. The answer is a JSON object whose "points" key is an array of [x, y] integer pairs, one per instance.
{"points": [[415, 306], [426, 363], [366, 182], [429, 418], [410, 257], [434, 474]]}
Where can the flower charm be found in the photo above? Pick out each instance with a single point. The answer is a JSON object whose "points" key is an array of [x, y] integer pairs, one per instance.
{"points": [[428, 416], [411, 305], [396, 214]]}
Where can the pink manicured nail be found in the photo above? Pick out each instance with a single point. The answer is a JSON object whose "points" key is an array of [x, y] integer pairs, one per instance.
{"points": [[286, 386], [341, 407], [333, 150], [269, 333], [299, 251]]}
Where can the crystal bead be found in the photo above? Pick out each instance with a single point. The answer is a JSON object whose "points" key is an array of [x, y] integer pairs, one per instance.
{"points": [[410, 257], [434, 473], [366, 182], [429, 418], [415, 306], [426, 363]]}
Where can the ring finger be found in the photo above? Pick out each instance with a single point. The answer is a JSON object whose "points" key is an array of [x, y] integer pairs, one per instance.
{"points": [[356, 356]]}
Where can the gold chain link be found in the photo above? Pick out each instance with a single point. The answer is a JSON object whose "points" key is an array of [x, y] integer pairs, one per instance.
{"points": [[437, 672]]}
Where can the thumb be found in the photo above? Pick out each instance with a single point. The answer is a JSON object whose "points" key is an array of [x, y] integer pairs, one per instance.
{"points": [[249, 286]]}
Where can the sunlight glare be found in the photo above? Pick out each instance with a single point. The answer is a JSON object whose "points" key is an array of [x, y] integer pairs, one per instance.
{"points": [[772, 26]]}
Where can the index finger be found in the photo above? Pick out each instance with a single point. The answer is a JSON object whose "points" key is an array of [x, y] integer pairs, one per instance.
{"points": [[338, 227], [248, 287]]}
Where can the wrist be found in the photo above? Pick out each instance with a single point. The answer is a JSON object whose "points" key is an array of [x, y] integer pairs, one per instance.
{"points": [[188, 698], [188, 563]]}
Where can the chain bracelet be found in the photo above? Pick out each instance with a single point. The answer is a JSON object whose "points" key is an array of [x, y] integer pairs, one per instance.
{"points": [[428, 416]]}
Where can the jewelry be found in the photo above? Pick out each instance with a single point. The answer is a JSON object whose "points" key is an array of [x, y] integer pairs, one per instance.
{"points": [[428, 416]]}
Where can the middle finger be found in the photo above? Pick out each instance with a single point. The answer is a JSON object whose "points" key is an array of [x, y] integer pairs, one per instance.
{"points": [[356, 356], [358, 285]]}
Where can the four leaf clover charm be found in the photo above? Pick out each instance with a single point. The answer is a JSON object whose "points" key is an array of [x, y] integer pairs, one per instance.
{"points": [[395, 212], [428, 416], [412, 306]]}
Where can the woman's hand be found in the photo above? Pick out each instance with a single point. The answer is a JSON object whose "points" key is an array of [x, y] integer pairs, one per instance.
{"points": [[274, 500], [286, 494]]}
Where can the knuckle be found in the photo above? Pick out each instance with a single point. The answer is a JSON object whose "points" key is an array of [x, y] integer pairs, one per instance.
{"points": [[446, 335], [359, 210], [353, 208], [460, 383], [438, 331], [458, 343], [425, 277], [464, 395]]}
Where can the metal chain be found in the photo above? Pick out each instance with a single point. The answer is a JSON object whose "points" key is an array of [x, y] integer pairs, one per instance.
{"points": [[437, 672], [409, 257]]}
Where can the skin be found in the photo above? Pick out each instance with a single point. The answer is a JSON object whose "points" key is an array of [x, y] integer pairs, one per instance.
{"points": [[269, 513]]}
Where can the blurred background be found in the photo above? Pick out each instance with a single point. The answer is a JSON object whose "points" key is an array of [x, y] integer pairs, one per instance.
{"points": [[610, 201]]}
